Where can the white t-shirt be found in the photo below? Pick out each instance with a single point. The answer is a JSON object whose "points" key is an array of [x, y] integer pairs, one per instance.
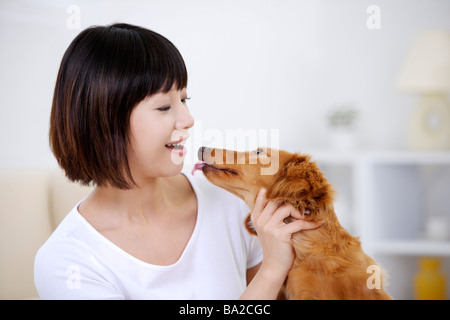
{"points": [[77, 262]]}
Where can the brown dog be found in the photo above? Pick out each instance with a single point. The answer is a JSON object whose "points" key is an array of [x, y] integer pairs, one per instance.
{"points": [[329, 262]]}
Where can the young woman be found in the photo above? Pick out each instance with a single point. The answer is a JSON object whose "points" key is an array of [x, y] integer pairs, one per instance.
{"points": [[147, 231]]}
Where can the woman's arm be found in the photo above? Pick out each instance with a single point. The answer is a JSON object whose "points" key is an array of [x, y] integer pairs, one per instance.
{"points": [[252, 272], [278, 254], [262, 285]]}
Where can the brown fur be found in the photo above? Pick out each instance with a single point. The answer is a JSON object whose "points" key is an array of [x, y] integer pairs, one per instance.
{"points": [[329, 262]]}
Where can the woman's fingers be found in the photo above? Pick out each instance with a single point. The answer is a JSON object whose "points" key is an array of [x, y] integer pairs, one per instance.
{"points": [[274, 234], [284, 211], [295, 225], [261, 201], [263, 210], [299, 225], [271, 214]]}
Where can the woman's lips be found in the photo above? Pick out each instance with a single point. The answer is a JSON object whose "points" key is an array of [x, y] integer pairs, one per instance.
{"points": [[177, 152], [177, 147]]}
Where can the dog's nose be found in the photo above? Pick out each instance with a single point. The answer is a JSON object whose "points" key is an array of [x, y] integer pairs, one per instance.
{"points": [[201, 151]]}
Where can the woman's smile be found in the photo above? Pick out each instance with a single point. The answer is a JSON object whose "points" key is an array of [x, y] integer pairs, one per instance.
{"points": [[177, 147]]}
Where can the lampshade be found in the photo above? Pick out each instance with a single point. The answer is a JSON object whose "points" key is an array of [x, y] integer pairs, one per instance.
{"points": [[427, 66]]}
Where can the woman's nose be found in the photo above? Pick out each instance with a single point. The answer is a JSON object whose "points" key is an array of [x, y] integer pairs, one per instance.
{"points": [[185, 119]]}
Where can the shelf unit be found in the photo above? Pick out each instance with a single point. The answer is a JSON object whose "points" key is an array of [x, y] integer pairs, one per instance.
{"points": [[412, 248], [386, 197]]}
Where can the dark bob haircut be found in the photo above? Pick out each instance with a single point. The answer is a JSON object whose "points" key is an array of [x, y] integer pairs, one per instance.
{"points": [[105, 72]]}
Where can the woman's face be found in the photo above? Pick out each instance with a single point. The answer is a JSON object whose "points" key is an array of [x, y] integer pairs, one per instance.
{"points": [[158, 131]]}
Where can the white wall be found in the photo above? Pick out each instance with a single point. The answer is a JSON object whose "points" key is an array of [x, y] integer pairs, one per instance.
{"points": [[252, 65]]}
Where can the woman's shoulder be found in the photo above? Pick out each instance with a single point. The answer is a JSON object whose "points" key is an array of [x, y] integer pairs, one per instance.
{"points": [[67, 242], [67, 260]]}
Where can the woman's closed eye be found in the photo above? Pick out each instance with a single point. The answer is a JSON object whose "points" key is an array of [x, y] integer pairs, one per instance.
{"points": [[167, 108], [164, 108]]}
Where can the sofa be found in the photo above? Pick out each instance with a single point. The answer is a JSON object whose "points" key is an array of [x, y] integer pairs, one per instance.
{"points": [[32, 204]]}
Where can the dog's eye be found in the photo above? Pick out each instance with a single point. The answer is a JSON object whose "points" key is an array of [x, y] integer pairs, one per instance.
{"points": [[259, 151]]}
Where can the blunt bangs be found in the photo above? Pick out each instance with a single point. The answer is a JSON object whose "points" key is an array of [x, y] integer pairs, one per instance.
{"points": [[152, 60], [145, 62]]}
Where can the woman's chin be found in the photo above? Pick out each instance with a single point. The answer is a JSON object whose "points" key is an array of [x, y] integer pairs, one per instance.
{"points": [[172, 169]]}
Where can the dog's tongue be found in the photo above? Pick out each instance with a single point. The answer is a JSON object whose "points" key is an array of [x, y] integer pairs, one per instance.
{"points": [[198, 166]]}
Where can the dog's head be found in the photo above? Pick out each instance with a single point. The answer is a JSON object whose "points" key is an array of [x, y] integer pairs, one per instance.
{"points": [[292, 178]]}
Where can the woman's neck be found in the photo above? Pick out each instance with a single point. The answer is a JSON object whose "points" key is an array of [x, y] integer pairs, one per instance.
{"points": [[151, 200]]}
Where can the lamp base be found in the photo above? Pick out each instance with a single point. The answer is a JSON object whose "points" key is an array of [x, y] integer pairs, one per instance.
{"points": [[430, 123]]}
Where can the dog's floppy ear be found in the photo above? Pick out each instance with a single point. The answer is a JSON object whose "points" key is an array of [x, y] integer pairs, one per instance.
{"points": [[301, 183]]}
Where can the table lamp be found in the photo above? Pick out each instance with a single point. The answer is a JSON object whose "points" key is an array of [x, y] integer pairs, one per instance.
{"points": [[427, 72]]}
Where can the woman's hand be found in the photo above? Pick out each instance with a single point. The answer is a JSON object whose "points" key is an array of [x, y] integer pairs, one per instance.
{"points": [[275, 235]]}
